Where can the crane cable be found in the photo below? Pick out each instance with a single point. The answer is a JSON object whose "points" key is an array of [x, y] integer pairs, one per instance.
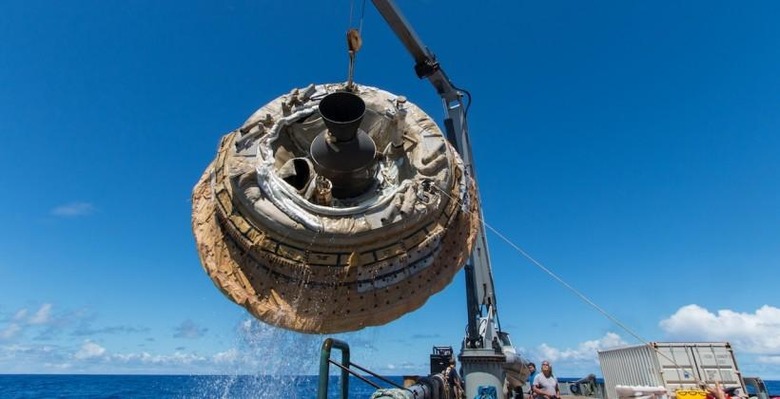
{"points": [[362, 15], [354, 41], [568, 286]]}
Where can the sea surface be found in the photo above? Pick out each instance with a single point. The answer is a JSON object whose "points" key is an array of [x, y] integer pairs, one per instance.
{"points": [[14, 386], [173, 386]]}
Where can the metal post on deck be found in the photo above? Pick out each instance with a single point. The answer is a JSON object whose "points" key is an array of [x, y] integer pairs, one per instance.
{"points": [[322, 391]]}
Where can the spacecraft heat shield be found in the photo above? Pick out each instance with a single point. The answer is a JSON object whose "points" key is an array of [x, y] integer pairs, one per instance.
{"points": [[307, 247]]}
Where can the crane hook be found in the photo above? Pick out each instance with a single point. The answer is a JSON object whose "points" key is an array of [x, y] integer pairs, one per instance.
{"points": [[354, 42]]}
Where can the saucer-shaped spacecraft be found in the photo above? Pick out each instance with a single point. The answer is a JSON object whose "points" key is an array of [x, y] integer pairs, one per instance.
{"points": [[332, 210]]}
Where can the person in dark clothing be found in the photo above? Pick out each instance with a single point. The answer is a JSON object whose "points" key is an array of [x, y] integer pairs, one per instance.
{"points": [[454, 380], [518, 393], [531, 375]]}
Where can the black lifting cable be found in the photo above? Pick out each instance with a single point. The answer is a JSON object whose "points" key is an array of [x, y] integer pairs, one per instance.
{"points": [[365, 370], [375, 375], [350, 371], [362, 15]]}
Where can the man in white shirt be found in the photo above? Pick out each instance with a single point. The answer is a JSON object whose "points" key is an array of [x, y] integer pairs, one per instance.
{"points": [[545, 385]]}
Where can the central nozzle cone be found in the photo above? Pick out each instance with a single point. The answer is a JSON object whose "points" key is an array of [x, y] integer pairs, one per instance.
{"points": [[342, 113], [346, 158]]}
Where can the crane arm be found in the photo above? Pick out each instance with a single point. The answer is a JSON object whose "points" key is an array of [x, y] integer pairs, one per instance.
{"points": [[480, 294]]}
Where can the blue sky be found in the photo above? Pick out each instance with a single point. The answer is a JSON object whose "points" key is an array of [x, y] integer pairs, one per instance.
{"points": [[629, 146]]}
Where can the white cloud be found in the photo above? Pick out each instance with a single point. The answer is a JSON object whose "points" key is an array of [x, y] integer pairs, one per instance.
{"points": [[406, 366], [174, 360], [291, 354], [20, 315], [94, 358], [73, 209], [90, 350], [42, 316], [585, 351], [58, 366], [229, 356], [577, 361], [24, 358], [756, 333], [772, 359], [22, 319], [10, 331]]}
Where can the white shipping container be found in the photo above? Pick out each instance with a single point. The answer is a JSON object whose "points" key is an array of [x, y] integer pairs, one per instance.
{"points": [[673, 365]]}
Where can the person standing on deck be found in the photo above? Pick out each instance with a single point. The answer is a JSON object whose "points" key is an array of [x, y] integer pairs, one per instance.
{"points": [[526, 390], [545, 384], [531, 375], [454, 380]]}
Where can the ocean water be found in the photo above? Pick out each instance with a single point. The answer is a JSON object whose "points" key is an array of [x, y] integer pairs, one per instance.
{"points": [[174, 386], [178, 386]]}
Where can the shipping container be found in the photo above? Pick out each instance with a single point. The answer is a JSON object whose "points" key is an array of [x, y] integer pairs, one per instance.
{"points": [[673, 365]]}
